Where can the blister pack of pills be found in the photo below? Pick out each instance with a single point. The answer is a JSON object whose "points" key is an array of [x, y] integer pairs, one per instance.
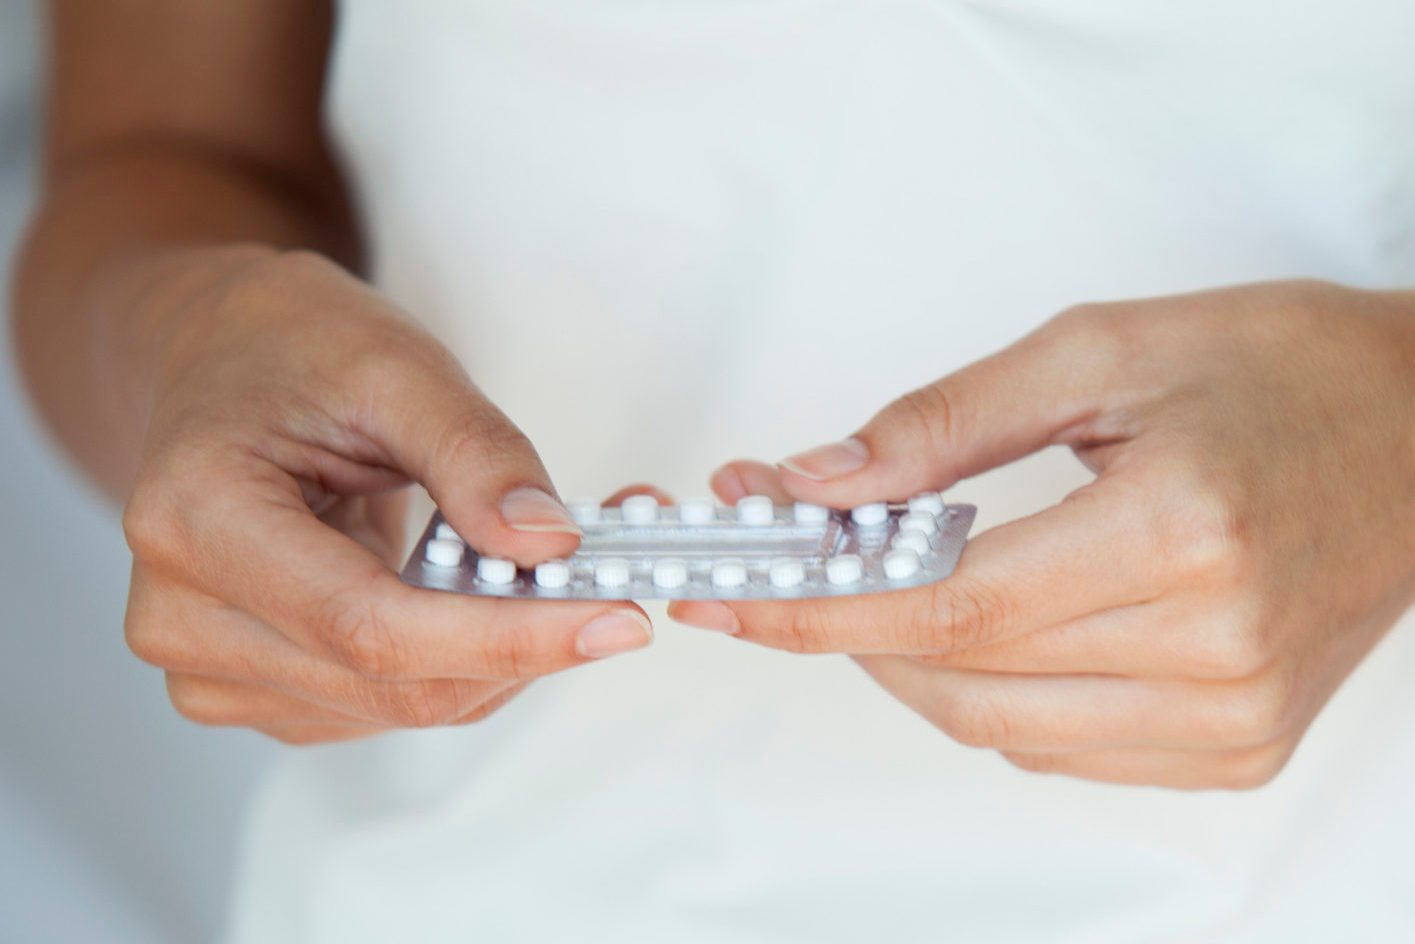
{"points": [[701, 550]]}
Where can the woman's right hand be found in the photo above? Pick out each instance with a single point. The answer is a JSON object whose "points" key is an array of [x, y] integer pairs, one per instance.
{"points": [[290, 405]]}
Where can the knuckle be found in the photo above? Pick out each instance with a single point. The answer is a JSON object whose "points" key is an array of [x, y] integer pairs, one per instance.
{"points": [[1254, 769], [804, 631], [423, 704], [1256, 712], [510, 655], [977, 722], [151, 522], [189, 697], [362, 639], [1236, 648], [1035, 763], [959, 616], [1202, 535], [931, 410]]}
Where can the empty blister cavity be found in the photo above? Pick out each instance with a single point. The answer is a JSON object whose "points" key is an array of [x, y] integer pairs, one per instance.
{"points": [[753, 550]]}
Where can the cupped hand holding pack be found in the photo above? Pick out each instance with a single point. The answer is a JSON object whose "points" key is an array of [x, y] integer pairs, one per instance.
{"points": [[1248, 538]]}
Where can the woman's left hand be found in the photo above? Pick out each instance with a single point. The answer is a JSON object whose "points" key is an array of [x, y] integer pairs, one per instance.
{"points": [[1249, 536]]}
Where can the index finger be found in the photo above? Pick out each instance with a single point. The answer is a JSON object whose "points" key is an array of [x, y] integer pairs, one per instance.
{"points": [[1070, 560], [259, 548]]}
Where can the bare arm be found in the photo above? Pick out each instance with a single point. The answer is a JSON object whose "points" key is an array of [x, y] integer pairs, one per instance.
{"points": [[183, 139]]}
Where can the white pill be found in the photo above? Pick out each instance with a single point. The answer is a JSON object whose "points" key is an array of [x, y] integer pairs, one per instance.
{"points": [[611, 572], [670, 573], [446, 533], [916, 541], [755, 510], [496, 570], [927, 502], [869, 516], [585, 510], [729, 572], [901, 563], [920, 521], [806, 513], [787, 572], [639, 509], [441, 552], [697, 511], [553, 574], [845, 569]]}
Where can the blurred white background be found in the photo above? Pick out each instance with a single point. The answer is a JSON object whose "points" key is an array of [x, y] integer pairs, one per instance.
{"points": [[118, 820]]}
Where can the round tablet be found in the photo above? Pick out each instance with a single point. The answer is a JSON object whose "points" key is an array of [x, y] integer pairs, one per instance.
{"points": [[445, 532], [755, 510], [918, 521], [585, 510], [639, 509], [845, 569], [553, 574], [787, 572], [611, 572], [901, 563], [916, 541], [870, 515], [729, 572], [806, 513], [697, 511], [441, 552], [496, 570], [670, 573], [927, 502]]}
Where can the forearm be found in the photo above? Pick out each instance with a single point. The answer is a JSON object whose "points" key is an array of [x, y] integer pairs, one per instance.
{"points": [[122, 236]]}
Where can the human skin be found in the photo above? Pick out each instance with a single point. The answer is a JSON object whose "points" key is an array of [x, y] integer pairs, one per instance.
{"points": [[1248, 538], [191, 325]]}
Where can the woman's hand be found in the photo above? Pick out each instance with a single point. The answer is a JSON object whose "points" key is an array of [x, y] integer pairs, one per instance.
{"points": [[291, 404], [1249, 537]]}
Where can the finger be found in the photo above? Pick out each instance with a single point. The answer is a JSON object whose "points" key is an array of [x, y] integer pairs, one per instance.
{"points": [[1028, 395], [1062, 713], [265, 554], [1170, 638], [216, 701], [744, 477], [629, 491], [188, 636], [1077, 558], [1245, 769], [482, 472]]}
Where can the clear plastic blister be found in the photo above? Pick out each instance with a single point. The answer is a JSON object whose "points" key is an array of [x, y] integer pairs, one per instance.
{"points": [[705, 551]]}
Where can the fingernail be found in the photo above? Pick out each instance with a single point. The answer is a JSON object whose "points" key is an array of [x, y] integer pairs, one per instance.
{"points": [[830, 461], [530, 509], [710, 614], [613, 633]]}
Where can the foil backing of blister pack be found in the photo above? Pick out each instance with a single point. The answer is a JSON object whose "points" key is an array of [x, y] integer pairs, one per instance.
{"points": [[789, 552]]}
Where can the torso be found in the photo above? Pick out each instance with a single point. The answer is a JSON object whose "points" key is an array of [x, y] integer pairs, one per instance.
{"points": [[666, 234]]}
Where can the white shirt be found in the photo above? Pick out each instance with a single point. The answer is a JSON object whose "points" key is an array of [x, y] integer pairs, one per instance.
{"points": [[665, 234]]}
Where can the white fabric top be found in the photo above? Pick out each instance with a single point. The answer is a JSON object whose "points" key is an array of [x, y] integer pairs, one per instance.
{"points": [[665, 234]]}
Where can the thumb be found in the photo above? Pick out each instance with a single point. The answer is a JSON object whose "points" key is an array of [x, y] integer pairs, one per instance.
{"points": [[482, 472], [989, 413]]}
